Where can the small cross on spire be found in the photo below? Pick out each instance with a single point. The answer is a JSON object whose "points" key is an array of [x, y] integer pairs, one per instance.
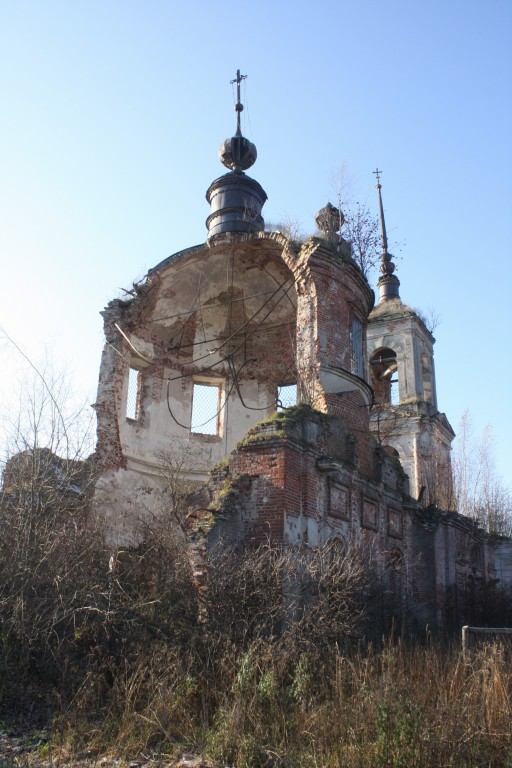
{"points": [[388, 282], [239, 107]]}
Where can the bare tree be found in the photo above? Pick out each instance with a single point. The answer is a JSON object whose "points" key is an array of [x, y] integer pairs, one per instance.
{"points": [[360, 226], [479, 491], [312, 598], [386, 418], [178, 468], [361, 229], [430, 318], [71, 610], [290, 228], [48, 548]]}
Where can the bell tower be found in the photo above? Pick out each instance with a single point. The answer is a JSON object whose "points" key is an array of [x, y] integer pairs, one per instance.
{"points": [[405, 415]]}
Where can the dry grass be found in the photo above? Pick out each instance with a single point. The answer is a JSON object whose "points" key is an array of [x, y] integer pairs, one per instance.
{"points": [[396, 706]]}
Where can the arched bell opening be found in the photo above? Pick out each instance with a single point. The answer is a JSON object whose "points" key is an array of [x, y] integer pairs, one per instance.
{"points": [[384, 377]]}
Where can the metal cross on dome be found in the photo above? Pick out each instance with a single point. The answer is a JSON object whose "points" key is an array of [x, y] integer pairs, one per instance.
{"points": [[238, 106]]}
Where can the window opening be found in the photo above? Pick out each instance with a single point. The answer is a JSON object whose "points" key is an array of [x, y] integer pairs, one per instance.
{"points": [[286, 396], [357, 346], [206, 409], [394, 393], [133, 399]]}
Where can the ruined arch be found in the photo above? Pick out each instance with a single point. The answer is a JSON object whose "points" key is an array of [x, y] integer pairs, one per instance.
{"points": [[337, 543]]}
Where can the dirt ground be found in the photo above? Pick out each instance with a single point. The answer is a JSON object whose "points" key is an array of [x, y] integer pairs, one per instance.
{"points": [[19, 750]]}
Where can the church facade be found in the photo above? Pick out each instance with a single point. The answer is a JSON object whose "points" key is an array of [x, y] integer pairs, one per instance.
{"points": [[262, 371]]}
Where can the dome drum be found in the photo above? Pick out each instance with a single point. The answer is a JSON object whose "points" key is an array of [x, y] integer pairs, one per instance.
{"points": [[236, 201]]}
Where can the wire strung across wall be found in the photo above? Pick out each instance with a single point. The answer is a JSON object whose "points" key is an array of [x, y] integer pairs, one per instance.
{"points": [[281, 289], [251, 332], [194, 427], [235, 385], [204, 307], [229, 358], [262, 329]]}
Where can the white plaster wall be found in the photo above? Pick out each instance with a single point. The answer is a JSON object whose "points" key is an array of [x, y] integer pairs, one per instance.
{"points": [[126, 500]]}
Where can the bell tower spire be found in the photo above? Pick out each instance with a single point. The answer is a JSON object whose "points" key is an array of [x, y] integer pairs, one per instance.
{"points": [[388, 283]]}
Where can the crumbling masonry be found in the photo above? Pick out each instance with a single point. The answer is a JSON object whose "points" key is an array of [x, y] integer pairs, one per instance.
{"points": [[201, 358]]}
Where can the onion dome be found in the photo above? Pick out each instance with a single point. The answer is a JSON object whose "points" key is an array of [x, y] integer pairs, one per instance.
{"points": [[235, 199], [237, 153]]}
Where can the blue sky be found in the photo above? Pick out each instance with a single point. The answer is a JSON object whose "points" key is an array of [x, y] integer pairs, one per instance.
{"points": [[112, 114]]}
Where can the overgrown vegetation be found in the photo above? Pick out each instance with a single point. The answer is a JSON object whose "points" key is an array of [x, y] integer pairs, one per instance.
{"points": [[270, 657], [116, 652], [277, 671]]}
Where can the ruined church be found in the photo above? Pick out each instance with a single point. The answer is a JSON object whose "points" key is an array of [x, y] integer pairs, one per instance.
{"points": [[305, 408]]}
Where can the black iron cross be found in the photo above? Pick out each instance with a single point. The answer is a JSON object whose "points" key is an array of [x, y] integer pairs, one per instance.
{"points": [[377, 173], [238, 106]]}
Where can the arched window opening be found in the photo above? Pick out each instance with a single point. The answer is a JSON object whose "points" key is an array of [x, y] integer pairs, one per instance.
{"points": [[384, 373]]}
